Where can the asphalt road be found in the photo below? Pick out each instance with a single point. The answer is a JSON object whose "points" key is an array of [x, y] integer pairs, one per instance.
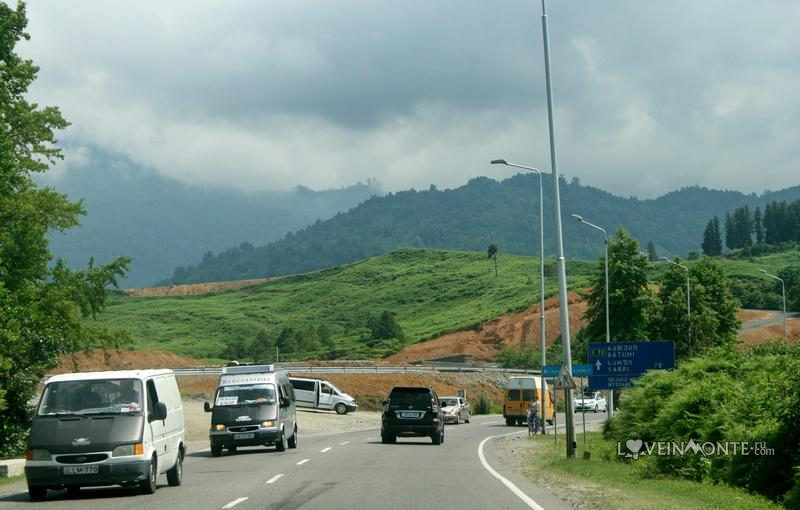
{"points": [[350, 470]]}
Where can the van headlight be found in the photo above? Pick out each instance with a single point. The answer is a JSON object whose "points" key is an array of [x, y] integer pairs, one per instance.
{"points": [[125, 450], [37, 455], [269, 423]]}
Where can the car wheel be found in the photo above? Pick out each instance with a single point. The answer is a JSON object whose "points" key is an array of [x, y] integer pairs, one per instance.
{"points": [[388, 439], [216, 451], [148, 485], [437, 438], [280, 444], [73, 491], [595, 408], [509, 422], [293, 439], [340, 408], [175, 475], [37, 493], [467, 420]]}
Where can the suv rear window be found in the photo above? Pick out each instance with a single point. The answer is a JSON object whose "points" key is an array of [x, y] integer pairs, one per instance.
{"points": [[417, 397]]}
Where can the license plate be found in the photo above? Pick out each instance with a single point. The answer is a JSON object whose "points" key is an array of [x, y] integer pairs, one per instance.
{"points": [[409, 415], [244, 436], [81, 470]]}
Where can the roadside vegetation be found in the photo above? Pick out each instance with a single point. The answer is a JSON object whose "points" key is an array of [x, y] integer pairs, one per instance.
{"points": [[604, 482], [724, 395]]}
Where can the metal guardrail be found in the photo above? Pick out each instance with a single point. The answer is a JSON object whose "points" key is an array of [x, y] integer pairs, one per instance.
{"points": [[348, 369]]}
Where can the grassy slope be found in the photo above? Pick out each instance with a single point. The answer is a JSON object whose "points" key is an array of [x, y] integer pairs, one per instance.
{"points": [[431, 291]]}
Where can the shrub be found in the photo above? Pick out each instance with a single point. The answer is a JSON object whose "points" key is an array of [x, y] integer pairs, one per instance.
{"points": [[483, 405]]}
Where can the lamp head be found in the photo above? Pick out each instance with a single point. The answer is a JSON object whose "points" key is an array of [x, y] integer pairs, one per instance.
{"points": [[578, 217], [664, 258], [763, 271], [499, 162]]}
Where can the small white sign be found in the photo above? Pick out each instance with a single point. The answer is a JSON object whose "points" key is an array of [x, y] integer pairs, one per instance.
{"points": [[227, 401]]}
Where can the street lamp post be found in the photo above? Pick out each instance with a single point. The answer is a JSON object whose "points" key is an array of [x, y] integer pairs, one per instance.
{"points": [[783, 292], [541, 272], [608, 327], [562, 265], [688, 296]]}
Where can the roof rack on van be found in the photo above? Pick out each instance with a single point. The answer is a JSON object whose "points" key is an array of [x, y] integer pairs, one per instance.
{"points": [[248, 369]]}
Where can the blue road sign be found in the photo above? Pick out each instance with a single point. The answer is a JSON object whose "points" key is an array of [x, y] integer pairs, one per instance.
{"points": [[616, 364], [577, 370]]}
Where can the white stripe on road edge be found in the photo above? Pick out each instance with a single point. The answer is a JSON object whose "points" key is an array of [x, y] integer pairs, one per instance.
{"points": [[275, 478], [346, 442], [325, 450], [234, 503], [302, 462], [513, 488]]}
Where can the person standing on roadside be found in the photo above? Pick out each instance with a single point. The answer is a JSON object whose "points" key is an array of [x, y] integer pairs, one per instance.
{"points": [[535, 411], [531, 417]]}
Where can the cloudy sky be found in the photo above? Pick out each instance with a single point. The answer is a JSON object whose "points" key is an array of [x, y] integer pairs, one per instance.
{"points": [[650, 96]]}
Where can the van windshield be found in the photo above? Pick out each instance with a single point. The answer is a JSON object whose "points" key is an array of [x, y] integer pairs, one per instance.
{"points": [[245, 394], [115, 396]]}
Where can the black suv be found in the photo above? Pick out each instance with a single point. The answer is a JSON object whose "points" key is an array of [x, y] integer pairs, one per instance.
{"points": [[412, 412]]}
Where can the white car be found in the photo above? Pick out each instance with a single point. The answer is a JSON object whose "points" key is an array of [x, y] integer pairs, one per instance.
{"points": [[456, 409], [590, 401]]}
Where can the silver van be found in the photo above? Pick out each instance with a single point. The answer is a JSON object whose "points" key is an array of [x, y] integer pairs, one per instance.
{"points": [[106, 428], [319, 394], [254, 405]]}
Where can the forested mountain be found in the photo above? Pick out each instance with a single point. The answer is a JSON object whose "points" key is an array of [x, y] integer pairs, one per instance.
{"points": [[472, 217], [162, 222]]}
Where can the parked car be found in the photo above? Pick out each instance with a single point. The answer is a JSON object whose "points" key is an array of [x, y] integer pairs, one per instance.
{"points": [[590, 401], [456, 409], [319, 394], [412, 412], [254, 405], [106, 428]]}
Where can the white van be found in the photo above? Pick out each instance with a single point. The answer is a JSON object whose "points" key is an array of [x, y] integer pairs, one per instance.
{"points": [[319, 394], [106, 428], [254, 405]]}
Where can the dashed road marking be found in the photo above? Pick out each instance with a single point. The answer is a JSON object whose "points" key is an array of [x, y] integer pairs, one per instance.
{"points": [[275, 478], [346, 442], [325, 450], [234, 503], [303, 462]]}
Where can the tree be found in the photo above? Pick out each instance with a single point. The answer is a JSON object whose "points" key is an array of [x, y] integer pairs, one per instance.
{"points": [[630, 299], [492, 254], [712, 243], [44, 306], [791, 280], [652, 255], [385, 326], [758, 226], [262, 348], [713, 320]]}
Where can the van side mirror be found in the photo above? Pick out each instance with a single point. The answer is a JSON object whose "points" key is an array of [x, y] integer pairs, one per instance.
{"points": [[159, 412], [284, 402], [206, 407], [385, 403]]}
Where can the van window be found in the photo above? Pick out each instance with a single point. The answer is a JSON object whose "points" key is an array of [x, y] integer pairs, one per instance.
{"points": [[303, 385], [513, 394], [527, 394], [152, 397], [92, 397], [327, 389], [245, 394]]}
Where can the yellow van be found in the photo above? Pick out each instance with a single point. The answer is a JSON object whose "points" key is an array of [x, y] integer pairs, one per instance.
{"points": [[519, 394]]}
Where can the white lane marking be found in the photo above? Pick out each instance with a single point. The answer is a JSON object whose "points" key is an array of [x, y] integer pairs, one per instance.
{"points": [[303, 462], [325, 450], [234, 503], [346, 442], [275, 478], [513, 488]]}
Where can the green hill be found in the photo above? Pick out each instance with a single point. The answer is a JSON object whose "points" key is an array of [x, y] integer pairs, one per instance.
{"points": [[431, 292], [475, 215]]}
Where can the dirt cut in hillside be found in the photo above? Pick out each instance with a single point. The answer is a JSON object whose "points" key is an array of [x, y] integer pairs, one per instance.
{"points": [[114, 359], [510, 329]]}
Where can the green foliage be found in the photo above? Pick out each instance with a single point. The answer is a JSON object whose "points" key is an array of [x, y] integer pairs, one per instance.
{"points": [[712, 238], [492, 253], [385, 326], [791, 281], [652, 254], [630, 300], [713, 319], [40, 307], [483, 405], [725, 395], [519, 356], [432, 292]]}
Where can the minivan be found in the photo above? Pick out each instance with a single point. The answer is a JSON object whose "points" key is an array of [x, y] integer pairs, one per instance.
{"points": [[318, 394], [254, 405], [106, 428], [520, 392]]}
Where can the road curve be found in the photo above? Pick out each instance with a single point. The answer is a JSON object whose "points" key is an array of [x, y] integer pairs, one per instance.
{"points": [[350, 471]]}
